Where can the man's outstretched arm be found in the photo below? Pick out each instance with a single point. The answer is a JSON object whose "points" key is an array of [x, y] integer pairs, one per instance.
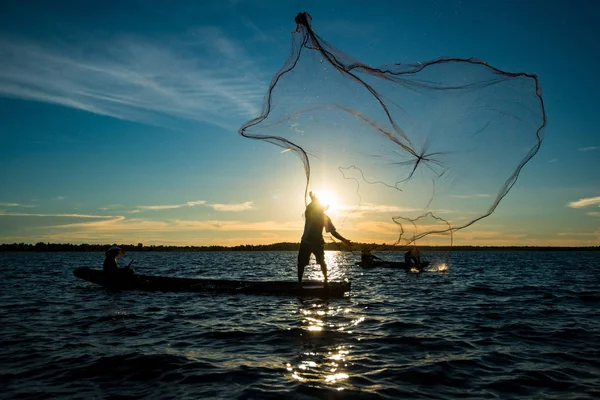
{"points": [[336, 235]]}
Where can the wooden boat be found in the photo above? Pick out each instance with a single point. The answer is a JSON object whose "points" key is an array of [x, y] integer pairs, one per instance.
{"points": [[173, 284], [390, 264]]}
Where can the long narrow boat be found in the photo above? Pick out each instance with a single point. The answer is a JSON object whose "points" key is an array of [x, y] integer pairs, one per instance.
{"points": [[171, 284], [391, 264]]}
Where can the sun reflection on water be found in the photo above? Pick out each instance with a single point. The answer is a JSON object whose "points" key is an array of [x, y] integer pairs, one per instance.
{"points": [[325, 344], [336, 377], [442, 267], [337, 266]]}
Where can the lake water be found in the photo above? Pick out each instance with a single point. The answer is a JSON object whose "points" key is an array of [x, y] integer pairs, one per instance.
{"points": [[486, 325]]}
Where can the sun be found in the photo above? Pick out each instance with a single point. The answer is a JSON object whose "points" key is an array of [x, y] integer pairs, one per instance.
{"points": [[327, 198]]}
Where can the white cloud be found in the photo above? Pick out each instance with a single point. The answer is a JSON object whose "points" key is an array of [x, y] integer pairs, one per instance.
{"points": [[110, 206], [4, 214], [477, 236], [9, 205], [232, 207], [195, 203], [589, 148], [248, 205], [207, 78], [167, 206], [593, 214], [121, 224], [585, 202], [377, 208], [571, 233], [16, 205]]}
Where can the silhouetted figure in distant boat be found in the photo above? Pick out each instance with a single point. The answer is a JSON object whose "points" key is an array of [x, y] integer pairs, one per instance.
{"points": [[111, 268], [312, 239], [413, 257], [367, 259]]}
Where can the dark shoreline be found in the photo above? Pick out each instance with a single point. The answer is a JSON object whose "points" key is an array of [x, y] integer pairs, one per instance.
{"points": [[285, 246]]}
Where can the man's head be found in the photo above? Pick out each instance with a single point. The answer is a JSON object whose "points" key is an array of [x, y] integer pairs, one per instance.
{"points": [[114, 251], [316, 203]]}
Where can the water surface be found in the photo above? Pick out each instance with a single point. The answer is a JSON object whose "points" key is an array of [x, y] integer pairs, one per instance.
{"points": [[491, 325]]}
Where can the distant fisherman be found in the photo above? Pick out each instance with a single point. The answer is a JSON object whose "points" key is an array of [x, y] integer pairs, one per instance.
{"points": [[312, 240], [367, 258], [413, 257], [111, 268]]}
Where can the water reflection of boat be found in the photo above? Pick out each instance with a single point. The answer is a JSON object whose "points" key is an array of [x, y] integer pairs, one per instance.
{"points": [[172, 284]]}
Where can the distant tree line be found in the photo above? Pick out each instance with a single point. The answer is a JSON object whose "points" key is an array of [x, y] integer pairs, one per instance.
{"points": [[283, 246]]}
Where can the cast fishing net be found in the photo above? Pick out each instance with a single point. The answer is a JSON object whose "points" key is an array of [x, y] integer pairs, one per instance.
{"points": [[420, 150]]}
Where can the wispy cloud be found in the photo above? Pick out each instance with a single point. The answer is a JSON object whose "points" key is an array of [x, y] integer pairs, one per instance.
{"points": [[553, 160], [589, 148], [232, 207], [167, 206], [483, 235], [5, 214], [206, 77], [136, 224], [585, 202], [111, 206], [16, 205], [9, 205], [593, 214], [235, 207], [572, 233], [377, 208]]}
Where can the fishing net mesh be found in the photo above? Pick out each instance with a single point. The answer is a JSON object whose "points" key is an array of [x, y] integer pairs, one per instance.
{"points": [[419, 150]]}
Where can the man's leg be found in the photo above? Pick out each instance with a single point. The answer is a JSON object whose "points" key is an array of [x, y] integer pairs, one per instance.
{"points": [[300, 273], [320, 256], [303, 260]]}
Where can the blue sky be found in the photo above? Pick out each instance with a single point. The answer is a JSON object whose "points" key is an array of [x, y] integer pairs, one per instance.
{"points": [[120, 119]]}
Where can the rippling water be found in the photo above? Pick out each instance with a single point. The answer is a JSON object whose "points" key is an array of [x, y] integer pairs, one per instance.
{"points": [[487, 325]]}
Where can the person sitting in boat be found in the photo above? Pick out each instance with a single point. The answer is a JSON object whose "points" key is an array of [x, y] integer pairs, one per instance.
{"points": [[111, 268], [312, 239], [413, 257], [367, 258]]}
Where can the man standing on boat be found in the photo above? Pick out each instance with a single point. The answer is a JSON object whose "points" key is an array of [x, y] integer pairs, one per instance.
{"points": [[312, 239]]}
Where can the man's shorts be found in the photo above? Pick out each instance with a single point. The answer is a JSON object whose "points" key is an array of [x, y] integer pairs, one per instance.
{"points": [[306, 249]]}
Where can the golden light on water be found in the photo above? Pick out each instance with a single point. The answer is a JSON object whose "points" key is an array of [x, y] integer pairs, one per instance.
{"points": [[326, 344], [337, 265], [336, 377], [326, 371], [443, 267]]}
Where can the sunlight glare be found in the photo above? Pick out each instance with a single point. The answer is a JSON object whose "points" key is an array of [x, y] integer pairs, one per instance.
{"points": [[443, 267], [328, 198], [336, 377]]}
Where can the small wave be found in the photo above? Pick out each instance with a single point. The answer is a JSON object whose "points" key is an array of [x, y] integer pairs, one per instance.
{"points": [[118, 317], [590, 298], [135, 367]]}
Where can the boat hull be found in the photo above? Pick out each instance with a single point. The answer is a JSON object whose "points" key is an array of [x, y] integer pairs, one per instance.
{"points": [[172, 284], [392, 264]]}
